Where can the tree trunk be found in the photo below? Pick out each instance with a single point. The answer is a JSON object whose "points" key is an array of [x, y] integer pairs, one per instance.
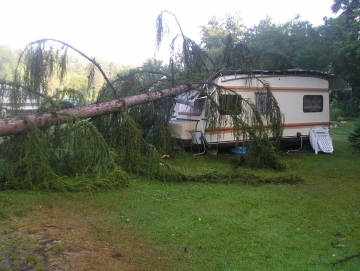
{"points": [[20, 124]]}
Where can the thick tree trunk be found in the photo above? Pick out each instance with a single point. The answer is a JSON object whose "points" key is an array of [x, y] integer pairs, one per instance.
{"points": [[20, 124]]}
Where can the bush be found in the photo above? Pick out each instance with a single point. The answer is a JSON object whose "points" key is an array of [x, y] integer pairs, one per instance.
{"points": [[335, 113], [354, 137]]}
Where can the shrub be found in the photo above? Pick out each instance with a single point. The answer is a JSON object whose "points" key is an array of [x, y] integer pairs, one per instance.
{"points": [[354, 137], [335, 113]]}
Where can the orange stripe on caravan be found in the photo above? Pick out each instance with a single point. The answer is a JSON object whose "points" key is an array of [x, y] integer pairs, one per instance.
{"points": [[286, 126], [277, 89]]}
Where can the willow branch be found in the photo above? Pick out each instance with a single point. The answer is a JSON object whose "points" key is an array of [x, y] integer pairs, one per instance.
{"points": [[182, 33], [12, 84], [97, 65]]}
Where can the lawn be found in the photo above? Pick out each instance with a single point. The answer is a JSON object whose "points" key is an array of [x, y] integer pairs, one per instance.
{"points": [[214, 225]]}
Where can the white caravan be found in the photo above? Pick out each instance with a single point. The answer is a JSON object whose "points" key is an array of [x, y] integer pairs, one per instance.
{"points": [[303, 98]]}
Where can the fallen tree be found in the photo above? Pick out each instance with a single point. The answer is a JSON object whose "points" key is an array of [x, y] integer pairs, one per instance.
{"points": [[122, 130], [20, 124]]}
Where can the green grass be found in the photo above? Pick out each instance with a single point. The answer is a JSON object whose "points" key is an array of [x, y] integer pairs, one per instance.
{"points": [[343, 127], [152, 225]]}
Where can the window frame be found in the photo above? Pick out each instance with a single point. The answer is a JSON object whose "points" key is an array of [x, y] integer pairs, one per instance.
{"points": [[195, 110], [262, 102], [235, 103], [313, 103]]}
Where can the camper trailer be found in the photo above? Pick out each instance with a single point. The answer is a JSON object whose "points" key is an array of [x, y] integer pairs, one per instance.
{"points": [[29, 105], [303, 98]]}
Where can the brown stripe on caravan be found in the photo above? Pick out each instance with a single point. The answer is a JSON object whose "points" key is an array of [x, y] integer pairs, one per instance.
{"points": [[219, 130], [310, 125], [300, 89], [276, 89], [305, 125]]}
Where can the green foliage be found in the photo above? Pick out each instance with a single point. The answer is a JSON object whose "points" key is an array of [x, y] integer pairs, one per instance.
{"points": [[215, 34], [170, 173], [335, 111], [38, 159], [136, 154], [348, 56], [27, 161], [335, 104], [350, 105], [308, 47], [51, 69], [348, 102], [260, 154], [233, 52], [350, 9], [192, 59], [8, 62], [354, 137], [42, 64], [78, 147]]}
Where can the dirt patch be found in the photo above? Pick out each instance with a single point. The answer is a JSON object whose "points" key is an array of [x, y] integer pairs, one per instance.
{"points": [[69, 241]]}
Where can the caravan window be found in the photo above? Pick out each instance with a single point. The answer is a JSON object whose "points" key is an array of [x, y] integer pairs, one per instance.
{"points": [[313, 103], [262, 105], [229, 104], [195, 110]]}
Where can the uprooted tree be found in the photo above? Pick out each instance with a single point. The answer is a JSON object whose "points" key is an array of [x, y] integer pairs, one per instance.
{"points": [[126, 127]]}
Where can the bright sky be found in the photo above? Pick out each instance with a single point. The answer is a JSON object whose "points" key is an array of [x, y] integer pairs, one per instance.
{"points": [[124, 30]]}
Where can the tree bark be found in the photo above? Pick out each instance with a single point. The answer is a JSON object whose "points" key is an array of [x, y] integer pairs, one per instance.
{"points": [[20, 124]]}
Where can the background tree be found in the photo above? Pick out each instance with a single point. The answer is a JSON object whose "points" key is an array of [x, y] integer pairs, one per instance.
{"points": [[347, 61], [216, 34], [298, 40], [213, 35], [8, 62]]}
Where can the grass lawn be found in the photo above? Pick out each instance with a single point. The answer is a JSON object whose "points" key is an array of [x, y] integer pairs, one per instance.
{"points": [[152, 225]]}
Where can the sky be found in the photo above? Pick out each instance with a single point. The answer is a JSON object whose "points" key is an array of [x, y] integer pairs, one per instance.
{"points": [[123, 31]]}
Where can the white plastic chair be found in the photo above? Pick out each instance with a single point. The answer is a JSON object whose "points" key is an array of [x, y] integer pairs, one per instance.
{"points": [[320, 140]]}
